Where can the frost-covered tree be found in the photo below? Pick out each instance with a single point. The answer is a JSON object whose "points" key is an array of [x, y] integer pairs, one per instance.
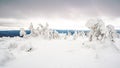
{"points": [[45, 32], [55, 35], [69, 34], [37, 31], [75, 35], [51, 34], [65, 36], [111, 33], [82, 34], [22, 32], [31, 30], [41, 29], [79, 33], [97, 29], [34, 32], [31, 26]]}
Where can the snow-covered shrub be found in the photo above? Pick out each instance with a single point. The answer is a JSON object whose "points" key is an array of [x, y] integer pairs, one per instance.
{"points": [[111, 33], [97, 29]]}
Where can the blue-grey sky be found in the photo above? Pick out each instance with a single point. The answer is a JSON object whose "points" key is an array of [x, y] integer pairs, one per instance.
{"points": [[16, 11]]}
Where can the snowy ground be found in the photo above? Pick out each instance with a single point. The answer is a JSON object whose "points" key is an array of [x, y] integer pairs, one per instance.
{"points": [[58, 53]]}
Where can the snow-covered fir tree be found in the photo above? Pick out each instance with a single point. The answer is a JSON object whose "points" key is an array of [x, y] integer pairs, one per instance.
{"points": [[22, 32], [97, 29], [111, 33]]}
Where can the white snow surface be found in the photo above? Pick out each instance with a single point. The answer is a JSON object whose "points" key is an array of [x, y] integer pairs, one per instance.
{"points": [[57, 53]]}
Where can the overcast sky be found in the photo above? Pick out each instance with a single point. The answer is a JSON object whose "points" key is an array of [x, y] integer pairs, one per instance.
{"points": [[58, 13]]}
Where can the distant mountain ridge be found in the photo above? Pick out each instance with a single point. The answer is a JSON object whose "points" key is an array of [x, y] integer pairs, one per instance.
{"points": [[13, 33]]}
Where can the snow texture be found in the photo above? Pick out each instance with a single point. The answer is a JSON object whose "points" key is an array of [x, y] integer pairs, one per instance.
{"points": [[46, 48]]}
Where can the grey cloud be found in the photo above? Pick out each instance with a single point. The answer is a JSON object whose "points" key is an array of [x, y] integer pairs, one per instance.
{"points": [[107, 7], [8, 24], [62, 8]]}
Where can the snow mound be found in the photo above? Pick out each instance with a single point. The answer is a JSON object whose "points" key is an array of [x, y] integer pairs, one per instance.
{"points": [[5, 56]]}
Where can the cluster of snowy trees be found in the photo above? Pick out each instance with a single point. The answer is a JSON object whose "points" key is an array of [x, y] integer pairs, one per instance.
{"points": [[42, 31], [98, 30], [46, 33]]}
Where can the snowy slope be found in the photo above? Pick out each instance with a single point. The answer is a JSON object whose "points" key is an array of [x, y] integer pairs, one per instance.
{"points": [[58, 53]]}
